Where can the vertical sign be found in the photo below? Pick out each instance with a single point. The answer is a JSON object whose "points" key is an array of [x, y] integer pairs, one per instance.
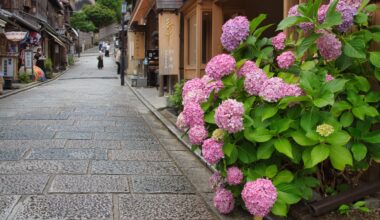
{"points": [[169, 43], [28, 59], [139, 46], [7, 67]]}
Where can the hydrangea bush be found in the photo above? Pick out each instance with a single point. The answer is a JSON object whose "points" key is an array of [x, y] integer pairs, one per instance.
{"points": [[280, 118]]}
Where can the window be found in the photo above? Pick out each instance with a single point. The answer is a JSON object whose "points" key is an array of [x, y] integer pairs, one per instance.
{"points": [[192, 31], [206, 36]]}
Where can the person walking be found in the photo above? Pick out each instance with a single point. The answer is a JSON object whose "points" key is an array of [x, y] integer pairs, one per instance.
{"points": [[40, 60], [100, 60], [118, 59], [100, 45], [108, 49]]}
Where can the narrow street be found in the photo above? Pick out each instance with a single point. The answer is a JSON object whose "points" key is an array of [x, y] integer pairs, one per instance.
{"points": [[83, 147]]}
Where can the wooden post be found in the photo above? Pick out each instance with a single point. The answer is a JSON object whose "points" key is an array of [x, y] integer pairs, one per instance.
{"points": [[198, 40], [217, 23]]}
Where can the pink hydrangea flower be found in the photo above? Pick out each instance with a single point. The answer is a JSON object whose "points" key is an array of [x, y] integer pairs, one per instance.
{"points": [[224, 201], [191, 85], [216, 181], [292, 90], [259, 196], [193, 114], [234, 30], [181, 124], [329, 46], [212, 151], [329, 77], [286, 59], [348, 12], [246, 68], [254, 81], [229, 116], [197, 95], [305, 26], [197, 134], [220, 65], [322, 13], [234, 176], [279, 41], [273, 89], [354, 3]]}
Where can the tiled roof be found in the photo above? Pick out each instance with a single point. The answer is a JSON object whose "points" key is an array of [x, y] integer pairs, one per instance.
{"points": [[169, 4]]}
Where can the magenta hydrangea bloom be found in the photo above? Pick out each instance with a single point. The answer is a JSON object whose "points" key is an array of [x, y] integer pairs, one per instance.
{"points": [[235, 31], [216, 181], [212, 151], [193, 114], [286, 59], [329, 46], [234, 176], [197, 134], [246, 68], [181, 124], [197, 95], [348, 12], [292, 90], [224, 201], [322, 13], [354, 3], [220, 65], [259, 196], [253, 82], [273, 89], [279, 41], [305, 26], [229, 116], [329, 77], [191, 85]]}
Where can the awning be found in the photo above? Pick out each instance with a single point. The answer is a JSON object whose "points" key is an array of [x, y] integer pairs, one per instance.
{"points": [[56, 39], [141, 11], [15, 35]]}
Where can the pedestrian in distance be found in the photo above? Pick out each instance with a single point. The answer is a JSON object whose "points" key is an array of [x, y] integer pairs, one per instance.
{"points": [[100, 45], [118, 59], [108, 49], [40, 59], [100, 60]]}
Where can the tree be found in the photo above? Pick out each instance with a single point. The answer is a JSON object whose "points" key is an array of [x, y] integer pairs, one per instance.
{"points": [[114, 5], [79, 20], [99, 15]]}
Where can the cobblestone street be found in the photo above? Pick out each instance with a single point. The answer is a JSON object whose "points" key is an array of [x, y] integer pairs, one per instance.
{"points": [[83, 147]]}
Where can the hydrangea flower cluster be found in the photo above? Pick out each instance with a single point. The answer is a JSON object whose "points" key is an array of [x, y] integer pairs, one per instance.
{"points": [[229, 116], [254, 81], [197, 134], [212, 151], [273, 89], [286, 59], [305, 26], [234, 30], [246, 68], [325, 130], [193, 91], [329, 77], [193, 114], [220, 65], [354, 3], [234, 176], [224, 201], [181, 124], [322, 13], [329, 46], [347, 8], [216, 181], [279, 41], [259, 196]]}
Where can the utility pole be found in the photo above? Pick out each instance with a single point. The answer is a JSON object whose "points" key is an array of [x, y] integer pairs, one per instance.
{"points": [[123, 12]]}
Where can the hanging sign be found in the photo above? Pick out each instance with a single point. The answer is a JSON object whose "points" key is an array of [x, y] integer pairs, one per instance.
{"points": [[7, 67], [15, 35]]}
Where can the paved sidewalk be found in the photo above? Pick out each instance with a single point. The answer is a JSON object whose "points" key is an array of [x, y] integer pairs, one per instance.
{"points": [[83, 147]]}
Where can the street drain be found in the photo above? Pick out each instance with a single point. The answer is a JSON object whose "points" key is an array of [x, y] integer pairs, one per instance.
{"points": [[103, 77]]}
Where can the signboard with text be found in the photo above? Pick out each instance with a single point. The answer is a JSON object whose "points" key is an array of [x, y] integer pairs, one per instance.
{"points": [[28, 59]]}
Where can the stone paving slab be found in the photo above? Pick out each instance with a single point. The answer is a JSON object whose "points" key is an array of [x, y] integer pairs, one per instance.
{"points": [[22, 184], [32, 143], [172, 144], [43, 167], [141, 144], [90, 184], [12, 153], [140, 155], [186, 159], [128, 128], [122, 136], [73, 135], [68, 154], [199, 177], [65, 207], [95, 123], [75, 128], [161, 184], [26, 135], [134, 168], [42, 116], [163, 207], [6, 205], [93, 144], [46, 122]]}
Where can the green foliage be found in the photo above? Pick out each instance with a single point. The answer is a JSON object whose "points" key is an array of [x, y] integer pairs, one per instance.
{"points": [[175, 100], [71, 60], [345, 209], [114, 5], [49, 65], [79, 20], [99, 15], [24, 77]]}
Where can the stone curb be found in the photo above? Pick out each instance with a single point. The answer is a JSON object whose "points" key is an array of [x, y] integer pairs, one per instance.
{"points": [[173, 129], [33, 85]]}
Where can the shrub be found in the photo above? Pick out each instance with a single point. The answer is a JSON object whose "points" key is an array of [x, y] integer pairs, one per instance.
{"points": [[296, 114], [24, 77], [48, 65], [175, 100], [71, 60]]}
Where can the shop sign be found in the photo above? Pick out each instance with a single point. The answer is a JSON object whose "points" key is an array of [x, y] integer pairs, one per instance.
{"points": [[15, 35], [28, 59], [7, 67]]}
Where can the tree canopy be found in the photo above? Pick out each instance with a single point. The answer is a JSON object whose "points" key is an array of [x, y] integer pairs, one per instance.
{"points": [[79, 20], [99, 15], [114, 5]]}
